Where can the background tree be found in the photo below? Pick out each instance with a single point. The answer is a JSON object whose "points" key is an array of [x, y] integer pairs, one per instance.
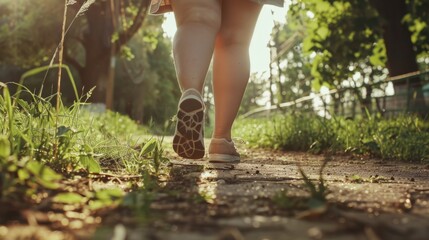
{"points": [[148, 89], [360, 36], [27, 36], [109, 25], [290, 70], [292, 66], [145, 85]]}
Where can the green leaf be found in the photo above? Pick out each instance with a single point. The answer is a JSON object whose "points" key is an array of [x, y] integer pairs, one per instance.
{"points": [[322, 6], [90, 164], [307, 44], [106, 198], [62, 130], [12, 168], [97, 204], [407, 18], [4, 147], [69, 198], [24, 105], [23, 174], [323, 32], [378, 57], [376, 61], [8, 100], [109, 194], [38, 70], [87, 148], [315, 85], [148, 147], [47, 184], [42, 171]]}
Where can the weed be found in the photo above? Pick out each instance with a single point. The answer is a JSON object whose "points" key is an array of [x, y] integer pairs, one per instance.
{"points": [[22, 178], [317, 192], [141, 199], [285, 201]]}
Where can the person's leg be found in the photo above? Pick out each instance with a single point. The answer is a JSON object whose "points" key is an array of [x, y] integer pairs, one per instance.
{"points": [[198, 23], [231, 66]]}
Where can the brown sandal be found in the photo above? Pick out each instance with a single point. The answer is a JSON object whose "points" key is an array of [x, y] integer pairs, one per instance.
{"points": [[188, 141], [223, 151]]}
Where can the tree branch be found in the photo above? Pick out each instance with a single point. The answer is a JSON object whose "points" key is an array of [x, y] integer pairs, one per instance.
{"points": [[138, 20]]}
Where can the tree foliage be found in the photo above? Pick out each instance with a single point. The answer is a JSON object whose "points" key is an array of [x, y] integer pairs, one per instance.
{"points": [[344, 38], [27, 36], [352, 43], [292, 66], [147, 89], [108, 29]]}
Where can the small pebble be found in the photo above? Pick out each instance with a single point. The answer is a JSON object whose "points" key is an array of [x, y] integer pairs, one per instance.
{"points": [[220, 181]]}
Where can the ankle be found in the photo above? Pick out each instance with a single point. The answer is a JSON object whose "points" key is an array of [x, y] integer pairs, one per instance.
{"points": [[194, 90], [227, 138]]}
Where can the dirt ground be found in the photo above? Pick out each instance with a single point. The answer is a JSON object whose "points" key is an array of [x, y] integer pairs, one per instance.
{"points": [[367, 199], [264, 197]]}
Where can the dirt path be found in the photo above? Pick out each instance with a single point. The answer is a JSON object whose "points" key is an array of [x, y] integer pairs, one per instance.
{"points": [[367, 199]]}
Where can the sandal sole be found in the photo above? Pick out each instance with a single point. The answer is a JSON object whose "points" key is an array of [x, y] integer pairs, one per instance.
{"points": [[188, 141], [223, 158]]}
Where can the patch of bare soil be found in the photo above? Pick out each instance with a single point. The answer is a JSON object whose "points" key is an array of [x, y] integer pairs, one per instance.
{"points": [[263, 197]]}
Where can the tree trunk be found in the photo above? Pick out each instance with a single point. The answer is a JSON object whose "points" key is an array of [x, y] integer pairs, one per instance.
{"points": [[401, 57], [97, 43], [98, 70]]}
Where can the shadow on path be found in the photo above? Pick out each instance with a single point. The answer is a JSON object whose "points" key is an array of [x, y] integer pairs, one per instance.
{"points": [[368, 199]]}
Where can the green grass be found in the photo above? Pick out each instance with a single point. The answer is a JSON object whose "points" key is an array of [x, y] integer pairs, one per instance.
{"points": [[405, 138], [40, 144]]}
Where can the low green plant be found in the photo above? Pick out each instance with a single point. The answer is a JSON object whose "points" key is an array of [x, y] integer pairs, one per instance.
{"points": [[153, 150], [92, 200], [405, 138], [317, 191], [66, 142], [297, 132], [140, 199], [24, 177]]}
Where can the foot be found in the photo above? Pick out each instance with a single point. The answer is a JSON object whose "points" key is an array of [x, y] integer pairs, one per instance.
{"points": [[223, 151], [188, 141]]}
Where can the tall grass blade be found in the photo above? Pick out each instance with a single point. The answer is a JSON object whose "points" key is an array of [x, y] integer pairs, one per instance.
{"points": [[60, 60], [83, 9], [9, 112], [38, 70]]}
